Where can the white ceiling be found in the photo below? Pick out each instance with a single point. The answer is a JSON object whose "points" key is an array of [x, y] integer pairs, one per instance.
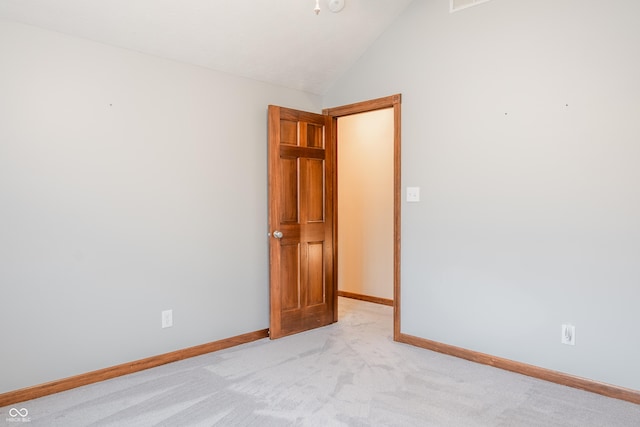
{"points": [[278, 41]]}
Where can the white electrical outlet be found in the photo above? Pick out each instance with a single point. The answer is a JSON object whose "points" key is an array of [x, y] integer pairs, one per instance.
{"points": [[167, 318], [568, 334]]}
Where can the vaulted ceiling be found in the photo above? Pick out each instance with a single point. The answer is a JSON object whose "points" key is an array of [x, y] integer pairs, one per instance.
{"points": [[278, 41]]}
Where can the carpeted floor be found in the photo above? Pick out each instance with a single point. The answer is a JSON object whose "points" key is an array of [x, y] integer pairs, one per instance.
{"points": [[347, 374]]}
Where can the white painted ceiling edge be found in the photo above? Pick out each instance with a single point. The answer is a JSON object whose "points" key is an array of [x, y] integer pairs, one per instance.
{"points": [[282, 42]]}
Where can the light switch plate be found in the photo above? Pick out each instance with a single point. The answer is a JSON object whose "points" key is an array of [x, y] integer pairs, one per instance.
{"points": [[413, 194]]}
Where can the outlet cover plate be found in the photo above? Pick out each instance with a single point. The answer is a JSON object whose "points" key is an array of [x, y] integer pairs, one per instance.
{"points": [[568, 334], [167, 318]]}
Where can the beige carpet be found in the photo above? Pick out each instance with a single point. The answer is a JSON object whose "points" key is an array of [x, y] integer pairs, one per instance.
{"points": [[347, 374]]}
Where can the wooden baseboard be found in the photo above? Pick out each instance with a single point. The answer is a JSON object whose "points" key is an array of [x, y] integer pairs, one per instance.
{"points": [[41, 390], [525, 369], [376, 300], [57, 386]]}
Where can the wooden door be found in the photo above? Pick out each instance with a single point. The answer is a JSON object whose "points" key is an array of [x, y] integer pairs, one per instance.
{"points": [[301, 218]]}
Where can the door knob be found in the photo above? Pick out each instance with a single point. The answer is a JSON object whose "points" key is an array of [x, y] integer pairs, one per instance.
{"points": [[277, 234]]}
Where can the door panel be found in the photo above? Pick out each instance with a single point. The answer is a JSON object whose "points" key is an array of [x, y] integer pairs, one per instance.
{"points": [[289, 197], [315, 190], [317, 289], [301, 183], [288, 132], [314, 136], [290, 284]]}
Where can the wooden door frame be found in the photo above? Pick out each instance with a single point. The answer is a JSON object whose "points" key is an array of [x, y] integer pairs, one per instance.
{"points": [[393, 101]]}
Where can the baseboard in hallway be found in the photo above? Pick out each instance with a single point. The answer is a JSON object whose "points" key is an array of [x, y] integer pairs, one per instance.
{"points": [[368, 298]]}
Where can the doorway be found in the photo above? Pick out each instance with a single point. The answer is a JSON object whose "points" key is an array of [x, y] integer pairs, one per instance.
{"points": [[393, 103], [365, 206]]}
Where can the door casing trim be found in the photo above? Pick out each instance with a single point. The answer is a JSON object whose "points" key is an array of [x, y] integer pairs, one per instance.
{"points": [[393, 101]]}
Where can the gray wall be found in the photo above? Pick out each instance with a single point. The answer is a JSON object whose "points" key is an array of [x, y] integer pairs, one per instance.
{"points": [[521, 125], [129, 184]]}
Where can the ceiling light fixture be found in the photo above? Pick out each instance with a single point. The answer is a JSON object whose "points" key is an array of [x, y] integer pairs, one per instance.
{"points": [[335, 6]]}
